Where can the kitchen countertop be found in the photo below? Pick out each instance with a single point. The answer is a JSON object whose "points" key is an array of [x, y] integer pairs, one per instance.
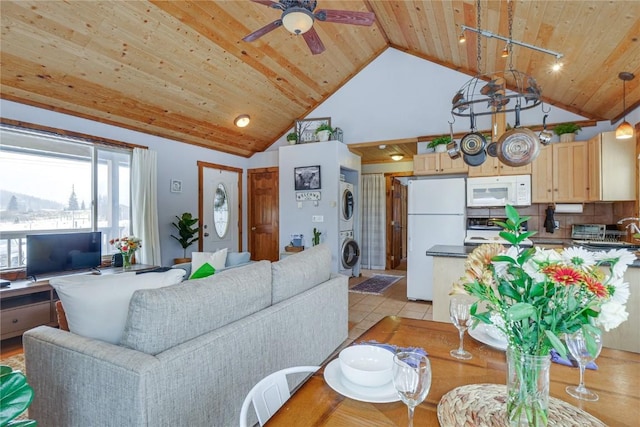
{"points": [[452, 251]]}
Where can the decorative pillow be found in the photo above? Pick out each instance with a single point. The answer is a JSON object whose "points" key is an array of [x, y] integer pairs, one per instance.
{"points": [[97, 306], [204, 264], [237, 258]]}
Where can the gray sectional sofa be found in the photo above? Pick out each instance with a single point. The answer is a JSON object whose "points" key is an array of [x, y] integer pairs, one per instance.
{"points": [[190, 352]]}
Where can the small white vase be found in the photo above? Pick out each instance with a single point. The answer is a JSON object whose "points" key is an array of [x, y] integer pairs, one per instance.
{"points": [[567, 137], [441, 148]]}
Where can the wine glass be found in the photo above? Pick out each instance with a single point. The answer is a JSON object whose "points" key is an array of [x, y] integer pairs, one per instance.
{"points": [[459, 312], [411, 378], [577, 343]]}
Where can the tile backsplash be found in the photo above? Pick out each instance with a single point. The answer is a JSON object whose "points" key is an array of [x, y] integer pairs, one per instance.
{"points": [[593, 213]]}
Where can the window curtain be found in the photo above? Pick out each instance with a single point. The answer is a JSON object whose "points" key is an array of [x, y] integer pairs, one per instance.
{"points": [[373, 246], [144, 210]]}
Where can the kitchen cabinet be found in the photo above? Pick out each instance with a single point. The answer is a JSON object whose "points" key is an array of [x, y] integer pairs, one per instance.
{"points": [[494, 167], [611, 168], [438, 164], [561, 173], [446, 272]]}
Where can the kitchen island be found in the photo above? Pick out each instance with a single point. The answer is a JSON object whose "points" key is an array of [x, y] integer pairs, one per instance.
{"points": [[448, 267]]}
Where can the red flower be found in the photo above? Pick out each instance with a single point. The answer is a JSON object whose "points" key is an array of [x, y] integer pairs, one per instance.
{"points": [[596, 287], [566, 276]]}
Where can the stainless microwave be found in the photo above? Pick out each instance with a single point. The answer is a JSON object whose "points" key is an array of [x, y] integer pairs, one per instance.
{"points": [[494, 191]]}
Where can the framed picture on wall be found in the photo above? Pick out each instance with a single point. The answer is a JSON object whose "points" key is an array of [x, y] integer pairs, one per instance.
{"points": [[307, 178], [306, 129]]}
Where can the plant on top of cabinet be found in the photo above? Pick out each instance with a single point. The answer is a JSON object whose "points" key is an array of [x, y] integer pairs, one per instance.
{"points": [[324, 131], [440, 143], [569, 130], [292, 137]]}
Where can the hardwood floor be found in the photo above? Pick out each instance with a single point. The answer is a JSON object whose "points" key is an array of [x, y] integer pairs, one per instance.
{"points": [[10, 347]]}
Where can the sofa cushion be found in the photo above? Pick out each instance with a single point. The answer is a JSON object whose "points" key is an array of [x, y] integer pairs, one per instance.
{"points": [[204, 264], [163, 318], [297, 273], [97, 306], [237, 258]]}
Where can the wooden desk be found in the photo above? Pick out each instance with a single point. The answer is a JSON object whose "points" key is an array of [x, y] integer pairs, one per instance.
{"points": [[617, 381]]}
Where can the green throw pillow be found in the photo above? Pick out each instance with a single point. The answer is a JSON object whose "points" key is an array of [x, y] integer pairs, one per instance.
{"points": [[205, 270]]}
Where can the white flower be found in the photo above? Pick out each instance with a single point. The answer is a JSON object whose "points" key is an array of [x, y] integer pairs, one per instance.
{"points": [[621, 292], [501, 266], [619, 259], [611, 315], [579, 258], [541, 256]]}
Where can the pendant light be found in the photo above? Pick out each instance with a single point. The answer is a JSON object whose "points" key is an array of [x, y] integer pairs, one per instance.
{"points": [[625, 130]]}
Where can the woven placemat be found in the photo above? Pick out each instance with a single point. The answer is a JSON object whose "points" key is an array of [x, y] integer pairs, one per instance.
{"points": [[486, 405]]}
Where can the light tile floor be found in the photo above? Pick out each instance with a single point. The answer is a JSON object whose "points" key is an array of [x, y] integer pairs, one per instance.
{"points": [[366, 310]]}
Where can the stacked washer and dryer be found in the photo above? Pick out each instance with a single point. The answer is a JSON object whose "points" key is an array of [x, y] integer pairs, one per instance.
{"points": [[349, 249]]}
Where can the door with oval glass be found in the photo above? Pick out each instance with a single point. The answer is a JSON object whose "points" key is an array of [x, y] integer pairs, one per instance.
{"points": [[220, 210]]}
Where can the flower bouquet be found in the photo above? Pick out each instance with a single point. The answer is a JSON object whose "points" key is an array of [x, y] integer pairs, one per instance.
{"points": [[539, 295], [127, 246]]}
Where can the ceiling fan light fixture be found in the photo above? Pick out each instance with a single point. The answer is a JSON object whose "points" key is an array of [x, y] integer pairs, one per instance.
{"points": [[397, 157], [297, 20], [625, 130], [242, 120]]}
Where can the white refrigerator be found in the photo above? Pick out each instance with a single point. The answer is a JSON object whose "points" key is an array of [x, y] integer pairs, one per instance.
{"points": [[436, 216]]}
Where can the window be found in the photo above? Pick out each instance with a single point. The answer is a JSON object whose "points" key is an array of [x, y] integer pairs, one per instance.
{"points": [[52, 183], [221, 211]]}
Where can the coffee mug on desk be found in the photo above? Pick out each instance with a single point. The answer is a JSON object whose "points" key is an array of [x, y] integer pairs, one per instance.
{"points": [[116, 260]]}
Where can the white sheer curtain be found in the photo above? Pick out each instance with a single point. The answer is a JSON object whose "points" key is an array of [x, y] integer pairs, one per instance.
{"points": [[373, 245], [144, 210]]}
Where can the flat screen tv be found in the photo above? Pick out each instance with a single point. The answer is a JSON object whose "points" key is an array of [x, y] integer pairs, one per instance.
{"points": [[55, 253]]}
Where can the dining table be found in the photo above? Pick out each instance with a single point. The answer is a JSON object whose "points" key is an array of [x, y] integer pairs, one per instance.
{"points": [[461, 387]]}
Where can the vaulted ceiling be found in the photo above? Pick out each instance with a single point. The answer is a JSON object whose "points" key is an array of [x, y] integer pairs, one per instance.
{"points": [[180, 70]]}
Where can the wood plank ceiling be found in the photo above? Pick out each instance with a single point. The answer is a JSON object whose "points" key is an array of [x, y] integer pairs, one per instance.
{"points": [[179, 69]]}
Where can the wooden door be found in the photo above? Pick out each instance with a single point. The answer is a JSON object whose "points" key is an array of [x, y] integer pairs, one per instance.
{"points": [[595, 187], [263, 201], [542, 177], [449, 165], [396, 224], [490, 167], [425, 164]]}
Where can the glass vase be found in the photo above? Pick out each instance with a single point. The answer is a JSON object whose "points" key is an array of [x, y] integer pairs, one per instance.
{"points": [[527, 389], [126, 261]]}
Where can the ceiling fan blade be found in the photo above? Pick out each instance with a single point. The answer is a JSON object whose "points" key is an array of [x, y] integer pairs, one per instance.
{"points": [[346, 16], [262, 31], [269, 3], [313, 41]]}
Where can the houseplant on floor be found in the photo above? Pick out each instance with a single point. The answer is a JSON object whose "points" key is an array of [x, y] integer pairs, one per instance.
{"points": [[15, 397], [567, 131], [188, 230], [534, 297]]}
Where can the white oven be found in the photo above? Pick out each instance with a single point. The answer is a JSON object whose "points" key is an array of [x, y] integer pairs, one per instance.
{"points": [[493, 191]]}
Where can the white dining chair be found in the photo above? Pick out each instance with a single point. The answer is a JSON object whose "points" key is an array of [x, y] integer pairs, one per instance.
{"points": [[270, 393]]}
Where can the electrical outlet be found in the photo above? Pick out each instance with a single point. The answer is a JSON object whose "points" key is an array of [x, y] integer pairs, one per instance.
{"points": [[556, 225], [317, 218]]}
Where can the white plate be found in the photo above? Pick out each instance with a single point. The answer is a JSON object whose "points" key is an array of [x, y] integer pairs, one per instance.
{"points": [[480, 334], [383, 394]]}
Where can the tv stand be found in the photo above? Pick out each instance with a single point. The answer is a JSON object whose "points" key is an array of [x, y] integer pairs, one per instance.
{"points": [[26, 304]]}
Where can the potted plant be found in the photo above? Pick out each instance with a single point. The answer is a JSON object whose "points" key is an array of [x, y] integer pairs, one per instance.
{"points": [[292, 138], [324, 132], [439, 144], [187, 229], [17, 395], [566, 131]]}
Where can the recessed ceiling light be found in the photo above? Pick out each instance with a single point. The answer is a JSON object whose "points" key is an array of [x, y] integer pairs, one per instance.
{"points": [[242, 120]]}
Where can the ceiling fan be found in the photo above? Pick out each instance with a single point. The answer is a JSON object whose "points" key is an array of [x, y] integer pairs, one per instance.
{"points": [[298, 17]]}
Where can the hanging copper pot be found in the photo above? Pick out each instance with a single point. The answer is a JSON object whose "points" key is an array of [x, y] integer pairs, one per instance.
{"points": [[518, 146]]}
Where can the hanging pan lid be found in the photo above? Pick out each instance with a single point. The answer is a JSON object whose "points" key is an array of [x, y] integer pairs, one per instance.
{"points": [[474, 142]]}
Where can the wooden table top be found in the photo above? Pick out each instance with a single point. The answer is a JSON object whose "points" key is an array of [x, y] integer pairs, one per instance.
{"points": [[617, 381]]}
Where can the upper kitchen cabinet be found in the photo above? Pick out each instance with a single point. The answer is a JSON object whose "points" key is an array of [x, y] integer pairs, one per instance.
{"points": [[493, 167], [611, 168], [438, 164], [561, 173]]}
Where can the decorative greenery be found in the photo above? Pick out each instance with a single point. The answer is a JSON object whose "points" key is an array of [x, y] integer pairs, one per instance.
{"points": [[293, 136], [316, 236], [187, 231], [541, 294], [15, 397], [441, 140], [563, 128], [324, 126]]}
